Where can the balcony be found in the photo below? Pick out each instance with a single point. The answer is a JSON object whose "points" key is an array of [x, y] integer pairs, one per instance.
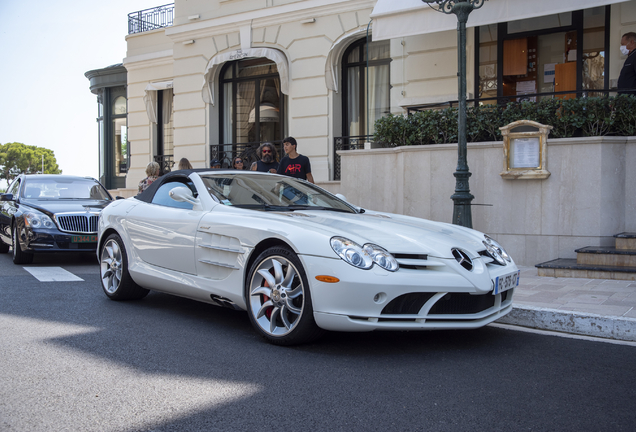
{"points": [[151, 19]]}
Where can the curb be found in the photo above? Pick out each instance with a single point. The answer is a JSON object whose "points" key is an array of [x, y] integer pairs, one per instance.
{"points": [[579, 323]]}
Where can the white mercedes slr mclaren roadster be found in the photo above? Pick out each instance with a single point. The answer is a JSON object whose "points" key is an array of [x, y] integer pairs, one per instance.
{"points": [[299, 259]]}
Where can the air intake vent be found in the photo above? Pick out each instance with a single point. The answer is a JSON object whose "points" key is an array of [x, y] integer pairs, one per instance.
{"points": [[83, 223], [463, 259]]}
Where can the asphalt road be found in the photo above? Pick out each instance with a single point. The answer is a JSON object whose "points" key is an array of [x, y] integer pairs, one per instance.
{"points": [[72, 360]]}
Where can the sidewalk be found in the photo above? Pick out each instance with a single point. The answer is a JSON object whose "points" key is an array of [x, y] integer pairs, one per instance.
{"points": [[591, 307]]}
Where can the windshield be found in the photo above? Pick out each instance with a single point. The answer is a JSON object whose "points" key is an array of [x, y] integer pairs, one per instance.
{"points": [[269, 192], [64, 189]]}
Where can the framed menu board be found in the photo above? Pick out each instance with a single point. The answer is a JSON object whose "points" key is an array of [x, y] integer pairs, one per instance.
{"points": [[525, 150]]}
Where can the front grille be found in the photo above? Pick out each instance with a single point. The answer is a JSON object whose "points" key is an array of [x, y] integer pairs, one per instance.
{"points": [[409, 304], [85, 224], [463, 259], [462, 303]]}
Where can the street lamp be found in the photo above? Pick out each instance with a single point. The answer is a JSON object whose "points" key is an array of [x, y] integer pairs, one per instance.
{"points": [[462, 198]]}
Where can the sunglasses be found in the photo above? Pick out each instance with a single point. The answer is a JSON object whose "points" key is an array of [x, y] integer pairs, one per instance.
{"points": [[266, 151], [238, 161]]}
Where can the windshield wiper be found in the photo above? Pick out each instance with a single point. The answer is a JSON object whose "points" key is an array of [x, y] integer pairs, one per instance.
{"points": [[269, 207], [308, 207]]}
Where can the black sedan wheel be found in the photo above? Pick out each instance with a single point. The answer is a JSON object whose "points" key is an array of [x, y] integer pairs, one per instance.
{"points": [[116, 281], [19, 257], [278, 298], [4, 248]]}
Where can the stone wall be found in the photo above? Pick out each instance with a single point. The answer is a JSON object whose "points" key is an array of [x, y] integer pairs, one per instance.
{"points": [[586, 200]]}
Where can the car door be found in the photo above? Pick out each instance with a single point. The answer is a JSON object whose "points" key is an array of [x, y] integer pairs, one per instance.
{"points": [[163, 232], [7, 210]]}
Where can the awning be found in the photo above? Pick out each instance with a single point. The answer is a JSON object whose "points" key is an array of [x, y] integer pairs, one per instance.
{"points": [[150, 100], [395, 19], [207, 92]]}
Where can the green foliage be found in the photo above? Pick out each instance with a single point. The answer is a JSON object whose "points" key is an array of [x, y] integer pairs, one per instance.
{"points": [[590, 116], [17, 158]]}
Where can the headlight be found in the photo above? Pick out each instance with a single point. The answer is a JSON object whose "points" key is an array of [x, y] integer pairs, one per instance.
{"points": [[381, 257], [36, 219], [497, 252], [363, 256], [351, 252]]}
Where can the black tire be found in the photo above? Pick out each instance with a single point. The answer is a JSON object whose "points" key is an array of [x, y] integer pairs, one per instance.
{"points": [[4, 248], [19, 257], [113, 269], [284, 314]]}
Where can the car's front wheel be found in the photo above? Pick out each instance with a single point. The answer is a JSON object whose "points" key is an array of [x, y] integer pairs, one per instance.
{"points": [[19, 257], [113, 269], [278, 298]]}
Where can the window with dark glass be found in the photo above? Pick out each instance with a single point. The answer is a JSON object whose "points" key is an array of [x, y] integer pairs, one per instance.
{"points": [[518, 59], [251, 102], [119, 136], [366, 86]]}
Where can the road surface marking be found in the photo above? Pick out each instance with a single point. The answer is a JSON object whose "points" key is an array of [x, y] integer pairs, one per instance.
{"points": [[52, 274]]}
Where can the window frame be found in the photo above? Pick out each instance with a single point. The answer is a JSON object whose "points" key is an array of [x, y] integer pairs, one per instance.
{"points": [[362, 64]]}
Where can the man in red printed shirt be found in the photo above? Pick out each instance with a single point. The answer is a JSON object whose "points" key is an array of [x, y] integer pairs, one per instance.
{"points": [[294, 164]]}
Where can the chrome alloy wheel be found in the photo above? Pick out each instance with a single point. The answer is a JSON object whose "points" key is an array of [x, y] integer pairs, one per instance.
{"points": [[277, 297], [111, 264]]}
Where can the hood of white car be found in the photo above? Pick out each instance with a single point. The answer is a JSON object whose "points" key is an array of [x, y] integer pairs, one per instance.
{"points": [[395, 233]]}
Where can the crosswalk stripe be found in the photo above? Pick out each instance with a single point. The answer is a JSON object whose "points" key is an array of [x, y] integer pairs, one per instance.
{"points": [[52, 274]]}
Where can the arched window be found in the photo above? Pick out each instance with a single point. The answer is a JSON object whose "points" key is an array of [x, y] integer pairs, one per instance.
{"points": [[364, 102], [251, 102]]}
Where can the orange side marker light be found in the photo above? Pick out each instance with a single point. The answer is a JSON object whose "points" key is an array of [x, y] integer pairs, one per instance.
{"points": [[327, 279]]}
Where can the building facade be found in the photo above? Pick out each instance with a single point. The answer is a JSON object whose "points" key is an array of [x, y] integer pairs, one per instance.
{"points": [[211, 79]]}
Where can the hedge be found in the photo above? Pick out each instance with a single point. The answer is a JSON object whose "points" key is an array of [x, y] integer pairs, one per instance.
{"points": [[582, 117]]}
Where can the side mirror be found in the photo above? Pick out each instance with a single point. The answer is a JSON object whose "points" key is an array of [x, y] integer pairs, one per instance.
{"points": [[119, 197], [184, 194], [344, 198], [6, 197]]}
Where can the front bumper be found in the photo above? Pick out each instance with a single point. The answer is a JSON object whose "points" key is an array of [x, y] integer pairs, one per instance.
{"points": [[442, 297], [53, 240]]}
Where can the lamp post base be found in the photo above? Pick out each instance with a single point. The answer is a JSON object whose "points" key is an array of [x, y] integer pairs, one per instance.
{"points": [[462, 214]]}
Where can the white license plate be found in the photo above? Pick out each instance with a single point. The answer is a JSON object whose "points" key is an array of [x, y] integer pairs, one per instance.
{"points": [[504, 283]]}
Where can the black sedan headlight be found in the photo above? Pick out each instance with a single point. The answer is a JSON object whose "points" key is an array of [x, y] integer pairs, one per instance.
{"points": [[365, 256], [35, 219]]}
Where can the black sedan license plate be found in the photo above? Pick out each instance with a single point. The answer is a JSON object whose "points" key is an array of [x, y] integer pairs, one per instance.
{"points": [[84, 239]]}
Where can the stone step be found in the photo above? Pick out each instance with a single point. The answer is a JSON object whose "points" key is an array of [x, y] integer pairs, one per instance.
{"points": [[569, 268], [606, 255], [625, 240]]}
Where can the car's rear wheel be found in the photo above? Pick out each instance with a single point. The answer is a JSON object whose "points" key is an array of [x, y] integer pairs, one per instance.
{"points": [[19, 257], [113, 264], [279, 300]]}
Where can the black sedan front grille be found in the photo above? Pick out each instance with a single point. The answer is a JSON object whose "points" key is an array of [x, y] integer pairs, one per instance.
{"points": [[78, 223]]}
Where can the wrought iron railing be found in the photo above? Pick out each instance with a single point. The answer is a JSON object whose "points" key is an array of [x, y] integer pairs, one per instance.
{"points": [[225, 153], [347, 143], [151, 19], [166, 162]]}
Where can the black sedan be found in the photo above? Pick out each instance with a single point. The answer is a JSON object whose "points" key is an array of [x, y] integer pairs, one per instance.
{"points": [[50, 213]]}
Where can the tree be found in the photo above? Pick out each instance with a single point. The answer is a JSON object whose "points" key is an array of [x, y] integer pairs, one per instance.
{"points": [[17, 158]]}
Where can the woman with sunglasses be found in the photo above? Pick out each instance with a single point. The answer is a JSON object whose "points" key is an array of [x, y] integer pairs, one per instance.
{"points": [[268, 159], [238, 164]]}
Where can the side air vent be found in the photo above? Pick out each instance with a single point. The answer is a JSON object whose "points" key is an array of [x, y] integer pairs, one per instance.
{"points": [[463, 259]]}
